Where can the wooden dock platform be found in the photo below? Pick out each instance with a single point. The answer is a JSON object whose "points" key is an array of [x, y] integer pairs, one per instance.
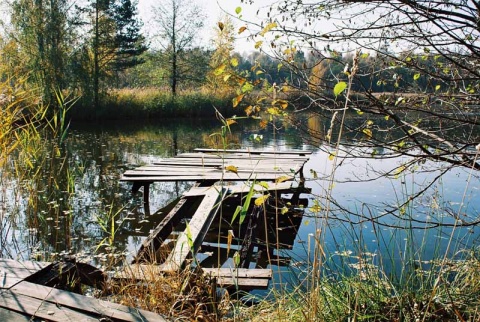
{"points": [[181, 233], [25, 295]]}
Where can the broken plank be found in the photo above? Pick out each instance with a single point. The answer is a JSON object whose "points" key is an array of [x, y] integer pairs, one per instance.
{"points": [[195, 231], [79, 304], [160, 233], [239, 272]]}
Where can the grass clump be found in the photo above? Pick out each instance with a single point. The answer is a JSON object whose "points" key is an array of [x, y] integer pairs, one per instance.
{"points": [[185, 295], [448, 291]]}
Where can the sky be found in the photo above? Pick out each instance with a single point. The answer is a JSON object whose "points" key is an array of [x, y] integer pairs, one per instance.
{"points": [[214, 10]]}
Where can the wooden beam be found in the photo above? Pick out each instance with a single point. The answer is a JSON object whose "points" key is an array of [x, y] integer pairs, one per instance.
{"points": [[190, 240], [150, 245]]}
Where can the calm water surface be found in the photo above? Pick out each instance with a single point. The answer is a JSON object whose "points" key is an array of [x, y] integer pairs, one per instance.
{"points": [[79, 206]]}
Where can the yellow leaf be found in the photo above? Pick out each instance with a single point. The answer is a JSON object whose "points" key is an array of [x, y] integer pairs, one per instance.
{"points": [[368, 133], [267, 28], [219, 70], [242, 29], [263, 124], [231, 168], [260, 201], [283, 103], [282, 179], [284, 210], [258, 44], [237, 100], [331, 156], [230, 122], [234, 62]]}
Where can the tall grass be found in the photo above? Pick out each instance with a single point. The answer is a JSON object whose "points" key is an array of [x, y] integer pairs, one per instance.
{"points": [[154, 103]]}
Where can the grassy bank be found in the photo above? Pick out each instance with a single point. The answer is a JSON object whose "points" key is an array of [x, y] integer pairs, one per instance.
{"points": [[152, 103]]}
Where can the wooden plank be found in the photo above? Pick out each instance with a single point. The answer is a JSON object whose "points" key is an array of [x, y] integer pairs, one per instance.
{"points": [[243, 283], [235, 189], [12, 271], [239, 272], [163, 229], [27, 305], [253, 157], [173, 172], [196, 231], [74, 307], [11, 316], [213, 176], [300, 152]]}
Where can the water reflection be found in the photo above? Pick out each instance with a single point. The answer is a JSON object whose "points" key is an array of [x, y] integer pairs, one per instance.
{"points": [[78, 205]]}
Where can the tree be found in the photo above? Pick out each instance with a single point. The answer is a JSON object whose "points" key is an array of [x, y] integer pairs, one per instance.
{"points": [[41, 30], [221, 60], [425, 53], [178, 23], [114, 42], [129, 42]]}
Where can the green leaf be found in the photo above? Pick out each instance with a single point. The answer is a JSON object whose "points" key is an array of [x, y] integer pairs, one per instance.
{"points": [[437, 87], [339, 88], [238, 10], [416, 76]]}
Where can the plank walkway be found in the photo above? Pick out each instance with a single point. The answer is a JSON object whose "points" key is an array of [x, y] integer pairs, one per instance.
{"points": [[208, 167], [23, 300], [216, 166]]}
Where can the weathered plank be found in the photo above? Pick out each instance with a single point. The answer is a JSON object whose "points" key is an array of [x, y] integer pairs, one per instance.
{"points": [[195, 231], [12, 271], [59, 305], [239, 272], [154, 240], [27, 305], [234, 156], [11, 316], [213, 176], [248, 151], [235, 189], [243, 283]]}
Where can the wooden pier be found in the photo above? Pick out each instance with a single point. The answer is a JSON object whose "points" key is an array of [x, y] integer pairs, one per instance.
{"points": [[29, 292], [180, 236]]}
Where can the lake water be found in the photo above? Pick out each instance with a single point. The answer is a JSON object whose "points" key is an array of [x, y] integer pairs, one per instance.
{"points": [[70, 208]]}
